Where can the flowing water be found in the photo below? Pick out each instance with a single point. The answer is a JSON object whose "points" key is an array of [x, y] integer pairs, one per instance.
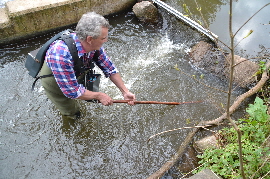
{"points": [[216, 17], [107, 142]]}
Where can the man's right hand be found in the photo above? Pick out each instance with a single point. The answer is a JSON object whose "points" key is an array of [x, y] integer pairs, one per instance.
{"points": [[103, 98]]}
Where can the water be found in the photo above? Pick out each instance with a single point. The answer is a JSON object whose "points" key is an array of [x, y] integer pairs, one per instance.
{"points": [[107, 142], [216, 16]]}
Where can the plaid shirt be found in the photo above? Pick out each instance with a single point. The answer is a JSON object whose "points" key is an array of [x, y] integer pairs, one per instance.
{"points": [[60, 61]]}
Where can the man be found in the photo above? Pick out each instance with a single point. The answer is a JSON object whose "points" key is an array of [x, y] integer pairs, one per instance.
{"points": [[63, 87]]}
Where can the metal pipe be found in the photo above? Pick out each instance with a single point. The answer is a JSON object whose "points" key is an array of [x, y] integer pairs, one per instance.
{"points": [[187, 20]]}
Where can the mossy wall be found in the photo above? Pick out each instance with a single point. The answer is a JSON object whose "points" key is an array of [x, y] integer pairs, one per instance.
{"points": [[34, 20]]}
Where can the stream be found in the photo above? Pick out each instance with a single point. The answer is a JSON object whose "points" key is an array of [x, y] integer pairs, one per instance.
{"points": [[108, 141]]}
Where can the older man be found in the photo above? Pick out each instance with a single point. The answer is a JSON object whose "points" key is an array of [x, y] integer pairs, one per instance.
{"points": [[63, 87]]}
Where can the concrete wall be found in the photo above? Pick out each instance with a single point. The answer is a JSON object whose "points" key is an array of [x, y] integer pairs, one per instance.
{"points": [[22, 18]]}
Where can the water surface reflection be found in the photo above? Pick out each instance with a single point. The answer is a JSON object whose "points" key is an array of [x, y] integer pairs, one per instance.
{"points": [[107, 142]]}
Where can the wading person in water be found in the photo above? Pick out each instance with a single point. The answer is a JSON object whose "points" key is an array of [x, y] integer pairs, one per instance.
{"points": [[63, 87]]}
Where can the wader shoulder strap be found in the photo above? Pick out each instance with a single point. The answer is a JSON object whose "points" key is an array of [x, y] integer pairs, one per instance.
{"points": [[39, 77], [78, 64], [72, 48], [69, 41]]}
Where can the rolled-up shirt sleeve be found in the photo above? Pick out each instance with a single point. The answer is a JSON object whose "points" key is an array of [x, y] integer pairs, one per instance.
{"points": [[59, 60], [105, 64]]}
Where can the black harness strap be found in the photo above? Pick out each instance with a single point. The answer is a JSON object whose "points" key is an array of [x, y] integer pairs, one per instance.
{"points": [[73, 51], [78, 63], [39, 77]]}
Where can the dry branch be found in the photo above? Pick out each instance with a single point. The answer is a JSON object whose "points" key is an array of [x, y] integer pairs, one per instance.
{"points": [[172, 130], [242, 97], [239, 100], [173, 160]]}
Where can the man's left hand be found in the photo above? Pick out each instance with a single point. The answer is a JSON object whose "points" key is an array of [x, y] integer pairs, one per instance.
{"points": [[130, 96]]}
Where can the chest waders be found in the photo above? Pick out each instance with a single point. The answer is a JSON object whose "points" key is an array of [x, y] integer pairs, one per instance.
{"points": [[67, 106]]}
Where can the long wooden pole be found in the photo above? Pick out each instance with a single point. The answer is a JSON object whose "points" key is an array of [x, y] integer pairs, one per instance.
{"points": [[155, 102]]}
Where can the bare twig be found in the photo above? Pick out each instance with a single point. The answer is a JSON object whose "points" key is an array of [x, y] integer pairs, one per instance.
{"points": [[173, 159], [266, 174], [250, 19], [265, 162], [242, 97], [226, 115], [240, 62], [239, 135], [216, 121], [172, 130], [263, 57]]}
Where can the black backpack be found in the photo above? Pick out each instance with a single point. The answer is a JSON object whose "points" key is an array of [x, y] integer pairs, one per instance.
{"points": [[35, 59]]}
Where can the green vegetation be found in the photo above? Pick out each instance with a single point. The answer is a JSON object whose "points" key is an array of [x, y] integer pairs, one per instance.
{"points": [[255, 129]]}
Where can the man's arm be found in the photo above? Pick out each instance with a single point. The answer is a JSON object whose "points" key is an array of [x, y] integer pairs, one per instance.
{"points": [[117, 80], [104, 98], [101, 97]]}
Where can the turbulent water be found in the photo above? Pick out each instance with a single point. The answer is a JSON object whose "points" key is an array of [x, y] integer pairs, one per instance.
{"points": [[107, 142]]}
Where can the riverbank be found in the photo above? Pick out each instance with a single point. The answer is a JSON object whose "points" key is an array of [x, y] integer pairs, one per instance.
{"points": [[26, 18]]}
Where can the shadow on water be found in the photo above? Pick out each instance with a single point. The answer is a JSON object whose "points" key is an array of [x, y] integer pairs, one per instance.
{"points": [[107, 142]]}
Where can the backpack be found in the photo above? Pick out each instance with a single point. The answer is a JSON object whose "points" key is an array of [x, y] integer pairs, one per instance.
{"points": [[35, 59]]}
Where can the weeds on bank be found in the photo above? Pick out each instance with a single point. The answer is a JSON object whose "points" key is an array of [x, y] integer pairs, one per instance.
{"points": [[224, 161], [264, 93]]}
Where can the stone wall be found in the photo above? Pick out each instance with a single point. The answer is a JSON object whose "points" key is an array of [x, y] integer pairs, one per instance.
{"points": [[22, 18]]}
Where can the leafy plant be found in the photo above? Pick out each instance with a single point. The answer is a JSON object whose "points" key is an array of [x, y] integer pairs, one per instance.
{"points": [[262, 67], [255, 129]]}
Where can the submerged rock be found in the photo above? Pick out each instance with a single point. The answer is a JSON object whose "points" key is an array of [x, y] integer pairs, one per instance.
{"points": [[205, 56], [146, 12], [205, 174], [244, 70], [205, 143], [188, 161]]}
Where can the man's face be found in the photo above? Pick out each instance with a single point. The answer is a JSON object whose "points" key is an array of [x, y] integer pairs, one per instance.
{"points": [[98, 42]]}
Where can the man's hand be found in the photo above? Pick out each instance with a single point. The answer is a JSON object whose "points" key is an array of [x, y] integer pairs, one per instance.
{"points": [[104, 99], [129, 96], [101, 97], [117, 80]]}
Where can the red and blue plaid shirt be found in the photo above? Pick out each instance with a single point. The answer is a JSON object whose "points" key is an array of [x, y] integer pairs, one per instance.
{"points": [[60, 61]]}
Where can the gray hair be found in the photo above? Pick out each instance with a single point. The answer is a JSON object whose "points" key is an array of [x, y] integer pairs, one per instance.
{"points": [[91, 24]]}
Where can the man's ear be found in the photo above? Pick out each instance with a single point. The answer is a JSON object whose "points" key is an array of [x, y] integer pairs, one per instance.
{"points": [[89, 39]]}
